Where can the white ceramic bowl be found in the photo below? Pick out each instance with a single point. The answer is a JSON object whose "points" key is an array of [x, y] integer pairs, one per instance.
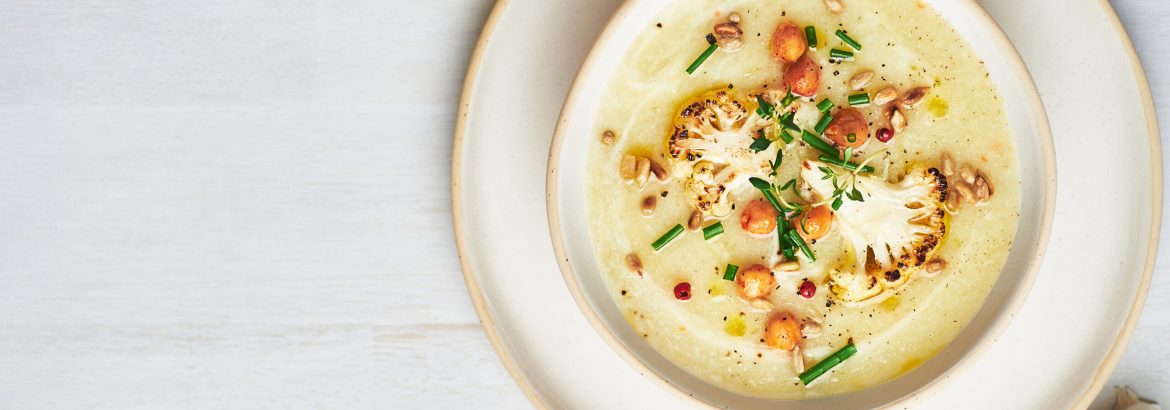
{"points": [[570, 235]]}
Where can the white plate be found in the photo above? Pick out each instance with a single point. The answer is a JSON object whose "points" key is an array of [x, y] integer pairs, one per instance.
{"points": [[1057, 352]]}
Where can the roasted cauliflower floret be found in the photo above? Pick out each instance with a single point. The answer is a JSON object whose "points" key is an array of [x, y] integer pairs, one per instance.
{"points": [[891, 232], [711, 143]]}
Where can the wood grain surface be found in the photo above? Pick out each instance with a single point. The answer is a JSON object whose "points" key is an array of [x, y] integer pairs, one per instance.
{"points": [[245, 204]]}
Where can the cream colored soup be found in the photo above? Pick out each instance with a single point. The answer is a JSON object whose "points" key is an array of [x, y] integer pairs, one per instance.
{"points": [[717, 335]]}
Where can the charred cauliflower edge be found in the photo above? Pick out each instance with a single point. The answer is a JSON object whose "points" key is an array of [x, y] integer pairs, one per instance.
{"points": [[711, 142], [891, 233]]}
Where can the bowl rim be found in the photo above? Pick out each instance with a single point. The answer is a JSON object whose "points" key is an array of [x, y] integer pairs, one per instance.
{"points": [[999, 323]]}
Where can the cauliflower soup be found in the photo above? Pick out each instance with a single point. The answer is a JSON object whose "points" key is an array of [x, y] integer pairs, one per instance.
{"points": [[797, 200]]}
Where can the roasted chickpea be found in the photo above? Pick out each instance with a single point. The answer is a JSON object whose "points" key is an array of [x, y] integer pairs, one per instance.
{"points": [[755, 281], [782, 331], [848, 128], [815, 223], [759, 217], [788, 43], [803, 77]]}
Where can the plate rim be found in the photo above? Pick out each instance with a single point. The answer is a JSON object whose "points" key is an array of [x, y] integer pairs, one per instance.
{"points": [[478, 300], [521, 378], [1121, 341]]}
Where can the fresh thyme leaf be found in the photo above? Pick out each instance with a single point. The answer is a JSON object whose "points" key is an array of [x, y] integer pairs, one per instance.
{"points": [[760, 184], [857, 195], [779, 159], [791, 183], [787, 123], [760, 144], [788, 98], [853, 195], [766, 109]]}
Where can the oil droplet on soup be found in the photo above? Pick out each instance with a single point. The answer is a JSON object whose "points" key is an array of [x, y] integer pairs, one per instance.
{"points": [[735, 326], [937, 106]]}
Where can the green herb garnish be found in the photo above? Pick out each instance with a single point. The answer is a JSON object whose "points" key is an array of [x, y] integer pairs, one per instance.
{"points": [[788, 99], [848, 40], [760, 143], [825, 365], [706, 54], [767, 189], [825, 105], [667, 237], [844, 164], [823, 123], [779, 160], [859, 99], [786, 246], [729, 272], [819, 144], [810, 34], [799, 241], [840, 54], [765, 109], [787, 123], [713, 230], [786, 137]]}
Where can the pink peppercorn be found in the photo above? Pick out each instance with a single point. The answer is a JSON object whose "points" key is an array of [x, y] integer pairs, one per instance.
{"points": [[808, 289], [885, 134], [682, 291]]}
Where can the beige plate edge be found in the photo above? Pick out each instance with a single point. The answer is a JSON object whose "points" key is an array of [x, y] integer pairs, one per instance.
{"points": [[1113, 356]]}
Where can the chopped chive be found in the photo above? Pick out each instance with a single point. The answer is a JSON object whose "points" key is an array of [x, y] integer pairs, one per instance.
{"points": [[760, 144], [840, 54], [825, 365], [819, 144], [810, 34], [787, 250], [786, 247], [766, 189], [848, 40], [713, 230], [784, 135], [702, 57], [667, 237], [825, 105], [799, 241], [823, 123], [844, 164], [729, 272], [859, 99]]}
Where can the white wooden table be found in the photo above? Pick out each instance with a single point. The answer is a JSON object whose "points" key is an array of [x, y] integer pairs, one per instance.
{"points": [[245, 204]]}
